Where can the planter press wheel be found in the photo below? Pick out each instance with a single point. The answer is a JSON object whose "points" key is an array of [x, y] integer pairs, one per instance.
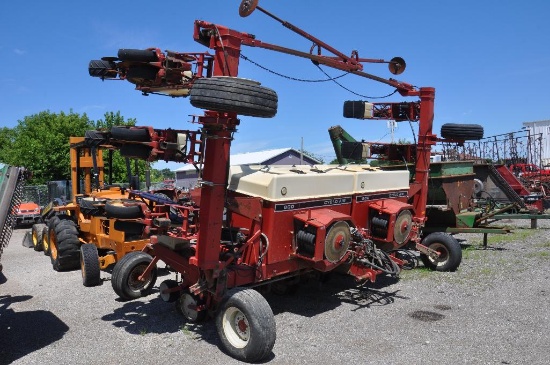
{"points": [[246, 325], [450, 252], [36, 234], [170, 296], [337, 241], [89, 265], [187, 304], [126, 273]]}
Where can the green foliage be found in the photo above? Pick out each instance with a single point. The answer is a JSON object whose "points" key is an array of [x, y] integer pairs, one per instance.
{"points": [[40, 142]]}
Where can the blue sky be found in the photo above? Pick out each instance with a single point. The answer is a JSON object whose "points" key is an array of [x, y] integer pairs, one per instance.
{"points": [[488, 60]]}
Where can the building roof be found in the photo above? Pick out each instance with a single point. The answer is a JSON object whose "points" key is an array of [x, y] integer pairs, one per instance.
{"points": [[249, 158]]}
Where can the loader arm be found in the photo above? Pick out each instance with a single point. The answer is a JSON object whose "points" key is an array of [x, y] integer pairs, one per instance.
{"points": [[12, 182]]}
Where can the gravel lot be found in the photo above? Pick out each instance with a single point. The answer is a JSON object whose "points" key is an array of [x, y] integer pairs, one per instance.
{"points": [[493, 310]]}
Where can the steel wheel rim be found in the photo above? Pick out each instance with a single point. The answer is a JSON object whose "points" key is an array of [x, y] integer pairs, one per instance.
{"points": [[53, 246], [186, 304], [236, 327], [34, 238], [443, 254], [133, 279]]}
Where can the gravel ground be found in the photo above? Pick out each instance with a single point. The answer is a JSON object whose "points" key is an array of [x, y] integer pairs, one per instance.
{"points": [[493, 310]]}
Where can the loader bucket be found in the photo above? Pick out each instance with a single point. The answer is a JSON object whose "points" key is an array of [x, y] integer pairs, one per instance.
{"points": [[27, 240], [12, 181]]}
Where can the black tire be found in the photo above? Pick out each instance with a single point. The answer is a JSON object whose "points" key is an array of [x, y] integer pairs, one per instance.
{"points": [[89, 265], [462, 131], [92, 207], [36, 234], [102, 68], [125, 276], [131, 134], [135, 151], [246, 325], [169, 297], [116, 209], [64, 248], [51, 232], [142, 75], [448, 248], [230, 94], [95, 138], [137, 55]]}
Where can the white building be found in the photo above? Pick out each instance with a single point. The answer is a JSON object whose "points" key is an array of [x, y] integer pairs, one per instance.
{"points": [[540, 142]]}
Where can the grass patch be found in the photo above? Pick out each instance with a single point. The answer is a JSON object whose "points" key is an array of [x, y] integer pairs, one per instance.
{"points": [[495, 239], [539, 255], [543, 245]]}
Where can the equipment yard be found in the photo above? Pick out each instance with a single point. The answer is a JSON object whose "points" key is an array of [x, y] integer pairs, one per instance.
{"points": [[492, 310]]}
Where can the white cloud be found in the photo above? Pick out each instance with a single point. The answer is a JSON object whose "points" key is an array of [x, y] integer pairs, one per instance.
{"points": [[19, 52]]}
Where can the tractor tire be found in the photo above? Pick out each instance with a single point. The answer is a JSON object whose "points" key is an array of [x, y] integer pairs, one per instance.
{"points": [[141, 75], [45, 241], [116, 209], [125, 275], [92, 207], [36, 233], [462, 131], [130, 134], [231, 94], [89, 265], [138, 151], [64, 246], [246, 325], [448, 248], [51, 231], [102, 68], [137, 55]]}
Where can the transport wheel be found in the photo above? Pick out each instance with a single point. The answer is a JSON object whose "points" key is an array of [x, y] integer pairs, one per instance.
{"points": [[126, 273], [102, 68], [117, 209], [64, 246], [89, 265], [130, 134], [45, 241], [137, 55], [462, 131], [231, 94], [91, 206], [187, 305], [246, 325], [450, 253], [37, 231], [168, 297]]}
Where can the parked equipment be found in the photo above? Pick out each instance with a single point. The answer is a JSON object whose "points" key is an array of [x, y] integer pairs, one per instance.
{"points": [[247, 226], [12, 182]]}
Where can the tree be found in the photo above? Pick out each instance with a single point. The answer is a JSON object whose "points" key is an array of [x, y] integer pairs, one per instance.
{"points": [[40, 142]]}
